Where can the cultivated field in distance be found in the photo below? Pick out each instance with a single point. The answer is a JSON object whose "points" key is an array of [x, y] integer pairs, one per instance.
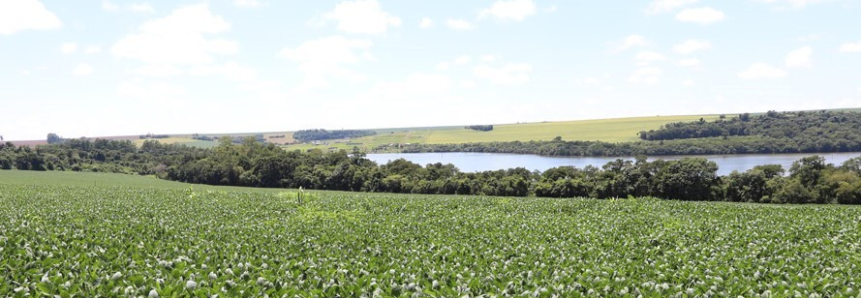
{"points": [[78, 234]]}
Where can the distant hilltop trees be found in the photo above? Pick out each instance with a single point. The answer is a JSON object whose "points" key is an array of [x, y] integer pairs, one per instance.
{"points": [[322, 134], [55, 139], [153, 136], [480, 127], [777, 125]]}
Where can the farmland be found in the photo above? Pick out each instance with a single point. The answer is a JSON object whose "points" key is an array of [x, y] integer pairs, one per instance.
{"points": [[606, 130], [66, 234]]}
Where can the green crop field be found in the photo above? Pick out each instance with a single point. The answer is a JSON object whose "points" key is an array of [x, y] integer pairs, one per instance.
{"points": [[100, 235]]}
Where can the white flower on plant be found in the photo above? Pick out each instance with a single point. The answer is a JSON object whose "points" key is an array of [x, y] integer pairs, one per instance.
{"points": [[116, 276], [213, 276], [190, 285], [153, 294]]}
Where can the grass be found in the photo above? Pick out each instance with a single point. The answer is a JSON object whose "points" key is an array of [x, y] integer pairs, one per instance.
{"points": [[62, 236]]}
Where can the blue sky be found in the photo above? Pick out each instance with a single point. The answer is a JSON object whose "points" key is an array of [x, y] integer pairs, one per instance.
{"points": [[98, 68]]}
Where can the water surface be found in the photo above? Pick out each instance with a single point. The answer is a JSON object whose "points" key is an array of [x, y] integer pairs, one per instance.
{"points": [[476, 162]]}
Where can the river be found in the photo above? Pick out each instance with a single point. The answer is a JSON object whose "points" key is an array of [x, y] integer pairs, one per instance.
{"points": [[476, 162]]}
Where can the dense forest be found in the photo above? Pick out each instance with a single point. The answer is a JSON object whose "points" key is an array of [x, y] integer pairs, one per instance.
{"points": [[773, 132], [771, 125], [251, 163], [322, 134]]}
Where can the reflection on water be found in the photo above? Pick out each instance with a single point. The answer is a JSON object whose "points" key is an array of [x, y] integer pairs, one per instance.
{"points": [[475, 162]]}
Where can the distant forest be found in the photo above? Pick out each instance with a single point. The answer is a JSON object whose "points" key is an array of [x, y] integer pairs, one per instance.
{"points": [[772, 132], [251, 163], [322, 134]]}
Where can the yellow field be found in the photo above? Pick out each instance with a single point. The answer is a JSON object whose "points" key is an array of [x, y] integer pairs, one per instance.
{"points": [[606, 130]]}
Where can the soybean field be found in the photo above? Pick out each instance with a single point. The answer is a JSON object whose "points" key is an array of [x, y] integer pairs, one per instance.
{"points": [[143, 240]]}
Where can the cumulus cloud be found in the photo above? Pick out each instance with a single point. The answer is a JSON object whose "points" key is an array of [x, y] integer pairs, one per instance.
{"points": [[142, 8], [82, 69], [800, 58], [458, 24], [93, 50], [794, 4], [851, 47], [231, 71], [326, 57], [415, 84], [646, 75], [667, 6], [691, 46], [632, 41], [513, 10], [689, 82], [510, 74], [426, 23], [20, 15], [703, 15], [362, 17], [180, 38], [645, 58], [135, 7], [247, 3], [68, 48], [152, 92], [761, 71], [689, 62]]}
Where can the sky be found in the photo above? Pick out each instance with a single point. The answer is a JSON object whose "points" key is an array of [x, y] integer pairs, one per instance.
{"points": [[106, 68]]}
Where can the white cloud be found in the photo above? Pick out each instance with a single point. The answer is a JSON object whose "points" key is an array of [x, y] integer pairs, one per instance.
{"points": [[761, 71], [689, 82], [645, 58], [646, 75], [82, 69], [153, 92], [231, 71], [851, 47], [20, 15], [416, 84], [510, 74], [489, 58], [799, 58], [179, 38], [458, 24], [68, 48], [93, 50], [515, 10], [324, 57], [462, 60], [142, 8], [247, 3], [552, 9], [632, 41], [362, 17], [587, 81], [689, 62], [426, 23], [691, 46], [703, 15], [667, 6], [110, 6], [794, 4], [154, 70]]}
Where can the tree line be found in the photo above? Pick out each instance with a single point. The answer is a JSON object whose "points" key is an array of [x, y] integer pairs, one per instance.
{"points": [[480, 127], [772, 125], [322, 134], [809, 180]]}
